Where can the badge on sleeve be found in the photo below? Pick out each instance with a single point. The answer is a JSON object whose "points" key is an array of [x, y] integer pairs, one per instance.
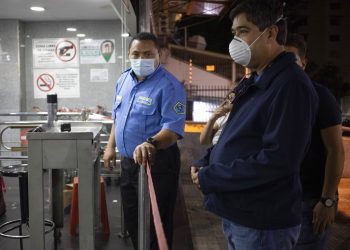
{"points": [[179, 108]]}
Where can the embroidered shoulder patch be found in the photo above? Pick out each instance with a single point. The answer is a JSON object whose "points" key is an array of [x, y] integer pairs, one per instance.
{"points": [[179, 108]]}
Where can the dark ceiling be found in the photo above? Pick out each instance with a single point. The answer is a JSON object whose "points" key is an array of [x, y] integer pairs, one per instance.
{"points": [[202, 17]]}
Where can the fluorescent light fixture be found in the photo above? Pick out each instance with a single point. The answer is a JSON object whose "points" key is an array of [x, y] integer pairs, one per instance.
{"points": [[125, 34], [80, 35], [88, 40], [37, 8], [71, 29]]}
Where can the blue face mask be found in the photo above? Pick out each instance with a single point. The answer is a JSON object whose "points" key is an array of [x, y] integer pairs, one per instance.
{"points": [[142, 67]]}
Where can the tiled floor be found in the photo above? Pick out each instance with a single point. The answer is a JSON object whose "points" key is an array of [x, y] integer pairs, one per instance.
{"points": [[182, 234], [66, 242], [194, 228], [206, 227]]}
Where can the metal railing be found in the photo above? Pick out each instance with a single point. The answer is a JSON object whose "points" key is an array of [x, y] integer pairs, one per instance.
{"points": [[210, 97], [143, 211], [144, 201], [206, 93]]}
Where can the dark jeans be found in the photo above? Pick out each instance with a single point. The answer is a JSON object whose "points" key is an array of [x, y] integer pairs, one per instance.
{"points": [[165, 177], [244, 238], [308, 240]]}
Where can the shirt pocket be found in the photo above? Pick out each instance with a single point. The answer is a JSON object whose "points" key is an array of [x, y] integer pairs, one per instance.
{"points": [[148, 119], [149, 110], [145, 109]]}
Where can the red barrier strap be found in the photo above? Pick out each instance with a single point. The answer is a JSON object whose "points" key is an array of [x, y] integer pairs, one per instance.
{"points": [[162, 243], [2, 184]]}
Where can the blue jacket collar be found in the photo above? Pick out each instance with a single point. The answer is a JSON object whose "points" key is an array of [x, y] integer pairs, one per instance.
{"points": [[273, 69]]}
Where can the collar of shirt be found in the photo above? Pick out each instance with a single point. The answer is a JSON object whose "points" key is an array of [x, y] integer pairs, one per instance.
{"points": [[244, 84], [263, 80]]}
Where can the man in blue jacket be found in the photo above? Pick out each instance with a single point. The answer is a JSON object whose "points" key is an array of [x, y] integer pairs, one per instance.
{"points": [[252, 177]]}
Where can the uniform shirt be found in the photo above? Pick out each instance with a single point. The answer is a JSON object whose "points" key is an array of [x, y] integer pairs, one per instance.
{"points": [[252, 178], [314, 164], [142, 109]]}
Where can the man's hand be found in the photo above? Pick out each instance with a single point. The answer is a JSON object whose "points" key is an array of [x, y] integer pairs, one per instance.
{"points": [[109, 158], [143, 153], [194, 175], [220, 111], [323, 217]]}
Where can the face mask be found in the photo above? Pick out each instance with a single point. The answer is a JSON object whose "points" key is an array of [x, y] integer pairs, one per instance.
{"points": [[240, 51], [142, 67]]}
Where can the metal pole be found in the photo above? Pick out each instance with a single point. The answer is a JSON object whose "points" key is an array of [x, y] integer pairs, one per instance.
{"points": [[123, 232], [144, 16], [144, 211], [20, 158]]}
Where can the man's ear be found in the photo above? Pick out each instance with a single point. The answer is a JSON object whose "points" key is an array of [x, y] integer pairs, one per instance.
{"points": [[273, 32], [304, 62]]}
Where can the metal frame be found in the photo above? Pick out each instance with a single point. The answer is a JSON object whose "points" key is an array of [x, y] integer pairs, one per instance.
{"points": [[54, 150]]}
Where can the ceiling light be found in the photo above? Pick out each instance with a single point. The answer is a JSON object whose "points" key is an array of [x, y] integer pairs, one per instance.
{"points": [[80, 35], [37, 8], [125, 34], [71, 29]]}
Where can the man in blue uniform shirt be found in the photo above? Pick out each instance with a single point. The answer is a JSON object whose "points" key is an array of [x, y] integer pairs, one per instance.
{"points": [[323, 165], [149, 118], [252, 177]]}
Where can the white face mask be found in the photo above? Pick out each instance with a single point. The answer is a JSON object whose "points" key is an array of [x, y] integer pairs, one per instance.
{"points": [[240, 51], [142, 67]]}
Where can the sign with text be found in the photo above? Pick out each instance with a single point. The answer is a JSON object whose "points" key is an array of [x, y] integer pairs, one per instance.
{"points": [[97, 51], [63, 82], [98, 75], [55, 53]]}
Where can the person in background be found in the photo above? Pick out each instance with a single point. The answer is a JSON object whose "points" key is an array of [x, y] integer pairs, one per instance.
{"points": [[323, 165], [213, 128], [149, 118], [252, 179]]}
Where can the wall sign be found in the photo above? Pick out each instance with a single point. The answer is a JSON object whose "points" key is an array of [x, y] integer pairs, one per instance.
{"points": [[63, 82], [98, 75], [97, 51], [55, 53]]}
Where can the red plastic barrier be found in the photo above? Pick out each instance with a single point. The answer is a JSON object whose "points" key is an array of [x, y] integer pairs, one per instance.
{"points": [[162, 243]]}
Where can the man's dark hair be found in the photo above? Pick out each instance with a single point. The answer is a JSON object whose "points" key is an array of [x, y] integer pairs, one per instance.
{"points": [[145, 36], [263, 13], [297, 41]]}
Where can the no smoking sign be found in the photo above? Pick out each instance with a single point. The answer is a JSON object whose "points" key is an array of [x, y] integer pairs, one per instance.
{"points": [[45, 82]]}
